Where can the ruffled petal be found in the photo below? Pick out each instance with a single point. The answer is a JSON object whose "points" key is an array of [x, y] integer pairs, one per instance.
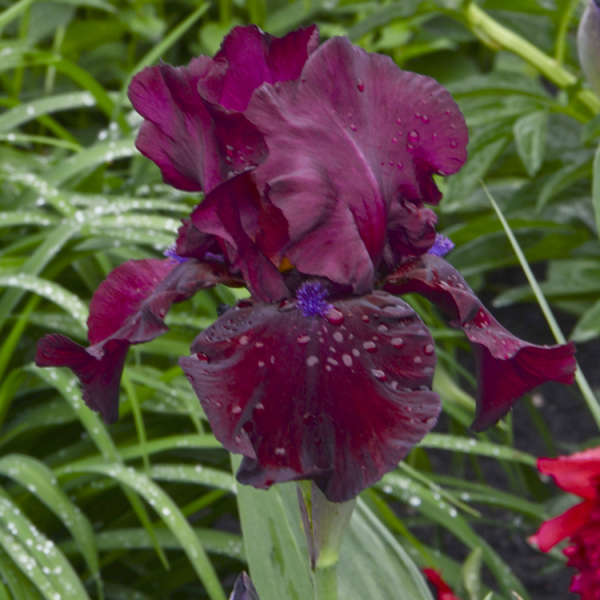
{"points": [[249, 228], [250, 57], [195, 144], [577, 473], [563, 526], [508, 367], [338, 399], [340, 164], [127, 308]]}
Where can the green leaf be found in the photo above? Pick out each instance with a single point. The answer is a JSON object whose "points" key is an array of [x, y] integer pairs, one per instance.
{"points": [[171, 516], [588, 326], [37, 556], [530, 138], [596, 189], [39, 480], [471, 574]]}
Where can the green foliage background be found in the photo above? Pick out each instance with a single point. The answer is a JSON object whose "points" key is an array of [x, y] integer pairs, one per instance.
{"points": [[148, 509]]}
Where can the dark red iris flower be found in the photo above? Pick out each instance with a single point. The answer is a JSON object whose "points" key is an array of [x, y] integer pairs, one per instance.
{"points": [[443, 590], [578, 474], [316, 163]]}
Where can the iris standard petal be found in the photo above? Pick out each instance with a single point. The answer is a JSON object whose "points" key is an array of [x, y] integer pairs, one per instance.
{"points": [[196, 144], [249, 57], [352, 135], [339, 399], [507, 366], [127, 308]]}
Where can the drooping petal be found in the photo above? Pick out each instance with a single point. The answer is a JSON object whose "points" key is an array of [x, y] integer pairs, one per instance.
{"points": [[195, 144], [127, 308], [249, 57], [236, 214], [508, 367], [563, 526], [339, 398], [577, 473], [353, 135]]}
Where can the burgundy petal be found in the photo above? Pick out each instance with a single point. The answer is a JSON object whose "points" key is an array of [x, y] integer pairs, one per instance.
{"points": [[250, 57], [508, 367], [339, 399], [353, 135], [235, 213], [196, 145], [127, 308]]}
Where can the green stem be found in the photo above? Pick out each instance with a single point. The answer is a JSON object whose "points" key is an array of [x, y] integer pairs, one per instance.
{"points": [[325, 582], [584, 386], [493, 33]]}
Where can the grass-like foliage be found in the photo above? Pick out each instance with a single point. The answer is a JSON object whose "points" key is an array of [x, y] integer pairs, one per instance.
{"points": [[148, 508]]}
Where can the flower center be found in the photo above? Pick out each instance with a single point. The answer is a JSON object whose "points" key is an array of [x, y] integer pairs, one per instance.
{"points": [[312, 299]]}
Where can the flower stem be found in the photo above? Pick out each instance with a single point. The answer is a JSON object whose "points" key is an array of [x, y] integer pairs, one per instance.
{"points": [[487, 29], [325, 582], [582, 382]]}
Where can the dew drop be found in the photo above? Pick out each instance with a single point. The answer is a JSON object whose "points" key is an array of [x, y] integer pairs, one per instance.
{"points": [[378, 374], [236, 410], [303, 339], [414, 501], [453, 143], [355, 352], [413, 136], [417, 360], [347, 360], [202, 357], [332, 361], [428, 349], [382, 328], [334, 316], [259, 344], [261, 363], [360, 86], [312, 360], [338, 336], [353, 127], [365, 318], [280, 451], [370, 346], [400, 165], [394, 140], [259, 406], [244, 340], [397, 342]]}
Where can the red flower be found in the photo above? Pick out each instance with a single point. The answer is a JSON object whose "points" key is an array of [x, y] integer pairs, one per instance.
{"points": [[578, 474], [444, 592], [316, 163]]}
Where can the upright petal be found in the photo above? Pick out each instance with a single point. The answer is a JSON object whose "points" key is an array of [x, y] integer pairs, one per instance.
{"points": [[127, 308], [339, 398], [249, 57], [508, 367], [196, 144], [353, 135]]}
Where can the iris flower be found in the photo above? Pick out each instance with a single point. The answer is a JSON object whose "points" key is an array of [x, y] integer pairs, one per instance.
{"points": [[578, 474], [316, 163]]}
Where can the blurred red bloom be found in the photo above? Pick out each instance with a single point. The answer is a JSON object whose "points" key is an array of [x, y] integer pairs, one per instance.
{"points": [[444, 592], [578, 474]]}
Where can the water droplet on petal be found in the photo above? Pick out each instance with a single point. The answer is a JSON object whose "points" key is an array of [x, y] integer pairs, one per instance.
{"points": [[303, 339], [397, 342], [244, 340], [334, 316], [353, 127], [280, 451], [428, 349], [370, 346], [202, 357], [312, 360], [453, 143], [378, 374], [338, 336], [413, 136], [360, 86], [347, 360]]}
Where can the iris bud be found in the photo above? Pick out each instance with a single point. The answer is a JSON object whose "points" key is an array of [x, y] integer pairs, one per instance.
{"points": [[588, 44]]}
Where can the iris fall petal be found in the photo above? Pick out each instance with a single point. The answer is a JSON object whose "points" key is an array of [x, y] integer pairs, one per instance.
{"points": [[302, 397], [127, 308], [508, 367]]}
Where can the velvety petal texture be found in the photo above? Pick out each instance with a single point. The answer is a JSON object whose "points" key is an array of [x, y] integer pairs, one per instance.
{"points": [[339, 398], [353, 136], [507, 367], [127, 308]]}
